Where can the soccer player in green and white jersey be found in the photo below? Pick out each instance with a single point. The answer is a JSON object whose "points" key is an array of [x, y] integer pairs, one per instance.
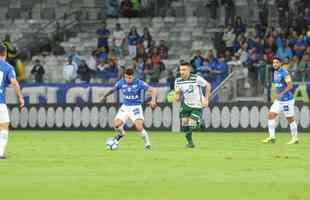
{"points": [[190, 87]]}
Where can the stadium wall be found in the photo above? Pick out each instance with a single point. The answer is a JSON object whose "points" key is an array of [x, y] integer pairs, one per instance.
{"points": [[68, 107]]}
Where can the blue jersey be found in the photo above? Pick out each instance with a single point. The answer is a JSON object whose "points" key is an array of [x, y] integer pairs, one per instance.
{"points": [[133, 40], [280, 78], [6, 74], [132, 93], [104, 36]]}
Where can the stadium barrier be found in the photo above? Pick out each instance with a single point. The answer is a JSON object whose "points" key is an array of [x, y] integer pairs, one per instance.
{"points": [[221, 117], [76, 106]]}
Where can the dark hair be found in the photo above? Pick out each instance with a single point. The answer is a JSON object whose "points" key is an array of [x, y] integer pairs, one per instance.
{"points": [[2, 48], [183, 62], [277, 58], [129, 71]]}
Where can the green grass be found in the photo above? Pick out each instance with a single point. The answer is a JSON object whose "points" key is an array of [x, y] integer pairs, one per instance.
{"points": [[51, 165]]}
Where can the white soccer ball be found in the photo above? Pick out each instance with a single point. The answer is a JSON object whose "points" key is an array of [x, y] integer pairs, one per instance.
{"points": [[112, 144]]}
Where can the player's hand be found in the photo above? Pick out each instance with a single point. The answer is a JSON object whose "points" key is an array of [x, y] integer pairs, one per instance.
{"points": [[21, 102], [275, 97], [152, 104], [205, 102], [103, 99]]}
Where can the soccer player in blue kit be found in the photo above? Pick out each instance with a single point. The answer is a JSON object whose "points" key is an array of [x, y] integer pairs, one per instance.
{"points": [[7, 77], [131, 108], [284, 102]]}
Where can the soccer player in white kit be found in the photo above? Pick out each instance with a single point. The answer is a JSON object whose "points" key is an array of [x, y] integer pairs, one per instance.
{"points": [[7, 77], [284, 102], [132, 89]]}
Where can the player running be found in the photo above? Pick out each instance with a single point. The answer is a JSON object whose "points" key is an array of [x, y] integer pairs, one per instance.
{"points": [[131, 89], [7, 77], [284, 101], [190, 87]]}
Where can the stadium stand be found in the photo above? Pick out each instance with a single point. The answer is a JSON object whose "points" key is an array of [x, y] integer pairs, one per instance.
{"points": [[185, 26]]}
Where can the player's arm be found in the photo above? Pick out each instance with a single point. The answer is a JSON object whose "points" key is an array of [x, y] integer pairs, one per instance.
{"points": [[104, 97], [178, 92], [207, 90], [289, 83], [203, 83], [16, 86], [111, 91]]}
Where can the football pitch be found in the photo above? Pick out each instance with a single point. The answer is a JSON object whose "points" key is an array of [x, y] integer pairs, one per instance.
{"points": [[75, 165]]}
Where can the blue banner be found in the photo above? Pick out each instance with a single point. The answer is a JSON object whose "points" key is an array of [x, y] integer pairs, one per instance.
{"points": [[61, 94]]}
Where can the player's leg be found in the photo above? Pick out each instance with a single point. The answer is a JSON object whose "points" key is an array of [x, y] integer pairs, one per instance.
{"points": [[136, 115], [4, 136], [119, 121], [4, 129], [144, 134], [272, 115], [193, 122], [185, 114], [288, 109], [119, 129], [294, 130], [187, 130]]}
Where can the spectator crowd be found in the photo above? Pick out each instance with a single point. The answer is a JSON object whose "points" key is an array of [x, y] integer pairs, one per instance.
{"points": [[237, 47], [250, 51], [113, 46]]}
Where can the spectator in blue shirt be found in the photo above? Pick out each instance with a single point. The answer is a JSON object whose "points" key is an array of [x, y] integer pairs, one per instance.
{"points": [[74, 55], [240, 27], [103, 37], [280, 40], [108, 72], [259, 45], [260, 30], [293, 37], [211, 58], [218, 72], [101, 55], [300, 47], [221, 69], [284, 51], [133, 41], [198, 61]]}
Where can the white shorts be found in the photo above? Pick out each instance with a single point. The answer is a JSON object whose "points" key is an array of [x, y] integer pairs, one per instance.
{"points": [[132, 112], [287, 107], [4, 114]]}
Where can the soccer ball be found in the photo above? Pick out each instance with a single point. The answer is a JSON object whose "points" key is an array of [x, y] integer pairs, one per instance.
{"points": [[112, 144]]}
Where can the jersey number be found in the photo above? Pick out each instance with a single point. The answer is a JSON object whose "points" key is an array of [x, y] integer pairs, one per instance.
{"points": [[286, 108], [136, 111]]}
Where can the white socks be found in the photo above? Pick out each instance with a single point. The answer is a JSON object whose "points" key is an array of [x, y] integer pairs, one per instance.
{"points": [[294, 131], [4, 136], [145, 137], [272, 127], [120, 131]]}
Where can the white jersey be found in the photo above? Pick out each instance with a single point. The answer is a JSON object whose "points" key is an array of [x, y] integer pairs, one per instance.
{"points": [[191, 90]]}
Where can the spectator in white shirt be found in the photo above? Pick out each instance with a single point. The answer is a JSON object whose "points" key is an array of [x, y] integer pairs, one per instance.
{"points": [[119, 38], [70, 71], [229, 38]]}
